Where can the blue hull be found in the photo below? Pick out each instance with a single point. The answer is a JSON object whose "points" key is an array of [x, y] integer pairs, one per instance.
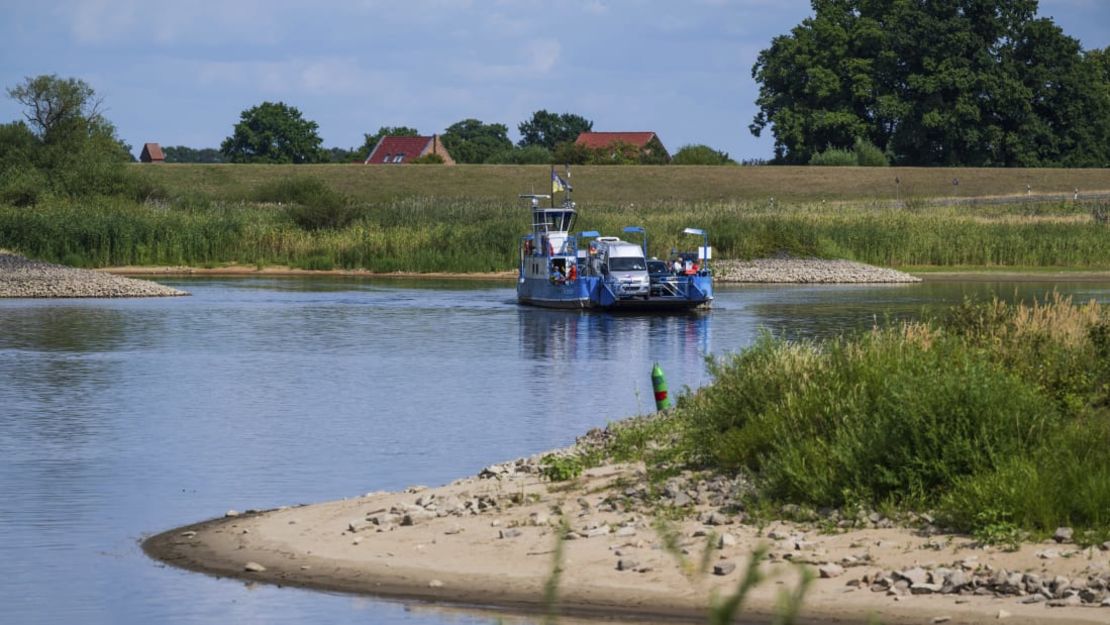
{"points": [[591, 292]]}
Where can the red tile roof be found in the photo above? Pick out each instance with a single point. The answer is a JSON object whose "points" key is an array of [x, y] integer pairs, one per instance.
{"points": [[596, 140], [390, 148], [152, 152]]}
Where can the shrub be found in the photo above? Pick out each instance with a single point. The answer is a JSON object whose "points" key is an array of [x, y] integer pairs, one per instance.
{"points": [[869, 155], [313, 205], [700, 155], [834, 157], [530, 155], [428, 159]]}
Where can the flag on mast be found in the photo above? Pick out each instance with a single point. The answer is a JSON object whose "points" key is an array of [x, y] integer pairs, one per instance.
{"points": [[557, 183]]}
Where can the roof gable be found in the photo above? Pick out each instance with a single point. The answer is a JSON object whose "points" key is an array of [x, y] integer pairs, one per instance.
{"points": [[605, 139], [152, 152], [389, 149]]}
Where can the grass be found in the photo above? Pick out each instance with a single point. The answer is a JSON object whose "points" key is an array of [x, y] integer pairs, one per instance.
{"points": [[995, 415], [325, 229], [613, 185]]}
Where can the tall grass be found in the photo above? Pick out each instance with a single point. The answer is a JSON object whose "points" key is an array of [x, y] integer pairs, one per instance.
{"points": [[993, 412], [301, 225]]}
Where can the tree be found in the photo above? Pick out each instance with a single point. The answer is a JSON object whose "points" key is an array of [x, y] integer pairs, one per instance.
{"points": [[531, 155], [700, 155], [550, 129], [66, 147], [183, 154], [953, 82], [273, 133], [371, 141], [471, 141]]}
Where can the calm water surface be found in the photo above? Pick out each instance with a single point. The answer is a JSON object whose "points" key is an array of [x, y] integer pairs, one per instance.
{"points": [[123, 418]]}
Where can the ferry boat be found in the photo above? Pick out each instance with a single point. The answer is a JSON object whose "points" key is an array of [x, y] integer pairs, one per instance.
{"points": [[560, 268]]}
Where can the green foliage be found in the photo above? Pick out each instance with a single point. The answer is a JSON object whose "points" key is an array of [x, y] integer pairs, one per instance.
{"points": [[834, 157], [69, 149], [313, 205], [184, 154], [700, 155], [868, 154], [529, 155], [472, 141], [996, 415], [560, 468], [548, 130], [571, 153], [967, 82], [428, 159], [371, 141], [273, 133]]}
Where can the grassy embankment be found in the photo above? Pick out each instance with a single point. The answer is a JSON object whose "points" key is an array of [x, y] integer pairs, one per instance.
{"points": [[995, 417], [468, 219]]}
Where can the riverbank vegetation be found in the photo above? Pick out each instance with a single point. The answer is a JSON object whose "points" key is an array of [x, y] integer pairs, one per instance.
{"points": [[302, 222], [995, 417]]}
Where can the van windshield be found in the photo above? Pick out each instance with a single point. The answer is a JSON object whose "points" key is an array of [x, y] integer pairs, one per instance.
{"points": [[630, 263]]}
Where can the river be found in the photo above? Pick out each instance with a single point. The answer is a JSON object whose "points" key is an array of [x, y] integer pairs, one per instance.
{"points": [[121, 418]]}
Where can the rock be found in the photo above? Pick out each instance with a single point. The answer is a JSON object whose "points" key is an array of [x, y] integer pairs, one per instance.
{"points": [[726, 540], [539, 518], [925, 589], [1037, 598], [914, 576], [1068, 602], [1063, 534], [602, 530], [681, 500], [188, 534], [723, 568], [626, 531], [21, 277], [254, 567], [941, 619], [1002, 614], [625, 564], [435, 583], [509, 533], [956, 580], [231, 513], [830, 570]]}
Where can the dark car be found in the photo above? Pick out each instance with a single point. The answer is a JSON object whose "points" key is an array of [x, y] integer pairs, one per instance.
{"points": [[661, 276]]}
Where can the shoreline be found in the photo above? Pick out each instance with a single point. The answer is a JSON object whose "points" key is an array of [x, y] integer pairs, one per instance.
{"points": [[490, 541]]}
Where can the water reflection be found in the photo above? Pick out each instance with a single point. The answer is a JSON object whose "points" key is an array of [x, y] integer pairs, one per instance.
{"points": [[559, 335]]}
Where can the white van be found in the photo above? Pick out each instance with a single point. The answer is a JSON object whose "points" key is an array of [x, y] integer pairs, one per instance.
{"points": [[622, 264]]}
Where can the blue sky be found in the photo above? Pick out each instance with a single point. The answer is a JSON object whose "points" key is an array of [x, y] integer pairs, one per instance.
{"points": [[180, 73]]}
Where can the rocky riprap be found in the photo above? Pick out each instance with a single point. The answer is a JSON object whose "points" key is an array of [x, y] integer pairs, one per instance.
{"points": [[20, 277], [806, 271]]}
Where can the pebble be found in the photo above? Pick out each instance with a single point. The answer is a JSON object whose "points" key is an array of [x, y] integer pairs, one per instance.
{"points": [[626, 565], [253, 567], [1003, 614], [1063, 535], [805, 270], [435, 583], [22, 277], [830, 570]]}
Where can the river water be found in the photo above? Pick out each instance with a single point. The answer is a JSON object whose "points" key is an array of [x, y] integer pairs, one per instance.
{"points": [[121, 418]]}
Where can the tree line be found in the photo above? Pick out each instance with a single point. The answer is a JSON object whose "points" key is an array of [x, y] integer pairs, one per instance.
{"points": [[981, 83]]}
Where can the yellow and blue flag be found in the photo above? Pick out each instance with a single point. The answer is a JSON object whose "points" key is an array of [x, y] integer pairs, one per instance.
{"points": [[557, 183]]}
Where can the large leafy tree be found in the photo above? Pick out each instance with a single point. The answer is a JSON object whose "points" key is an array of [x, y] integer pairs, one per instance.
{"points": [[949, 82], [273, 133], [550, 129], [185, 154], [66, 146], [472, 141]]}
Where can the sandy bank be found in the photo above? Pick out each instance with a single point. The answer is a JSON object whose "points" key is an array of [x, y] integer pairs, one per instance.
{"points": [[21, 277], [490, 541]]}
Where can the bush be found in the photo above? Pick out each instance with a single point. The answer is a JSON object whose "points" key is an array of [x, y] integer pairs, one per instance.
{"points": [[700, 155], [834, 157], [428, 159], [313, 205], [869, 155], [530, 155]]}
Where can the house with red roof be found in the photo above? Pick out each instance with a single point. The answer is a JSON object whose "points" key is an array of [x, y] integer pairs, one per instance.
{"points": [[647, 143], [152, 153], [399, 150]]}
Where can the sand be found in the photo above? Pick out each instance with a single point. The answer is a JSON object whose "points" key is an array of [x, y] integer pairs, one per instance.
{"points": [[503, 556]]}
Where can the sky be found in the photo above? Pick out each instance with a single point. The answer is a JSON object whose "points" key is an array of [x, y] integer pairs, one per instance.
{"points": [[181, 73]]}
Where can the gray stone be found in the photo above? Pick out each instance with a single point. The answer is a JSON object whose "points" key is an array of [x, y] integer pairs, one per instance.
{"points": [[925, 589], [723, 568], [254, 567], [726, 540], [625, 564], [625, 531], [941, 619], [509, 533], [914, 576], [1063, 534], [1068, 602], [830, 570], [1037, 598], [681, 500]]}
